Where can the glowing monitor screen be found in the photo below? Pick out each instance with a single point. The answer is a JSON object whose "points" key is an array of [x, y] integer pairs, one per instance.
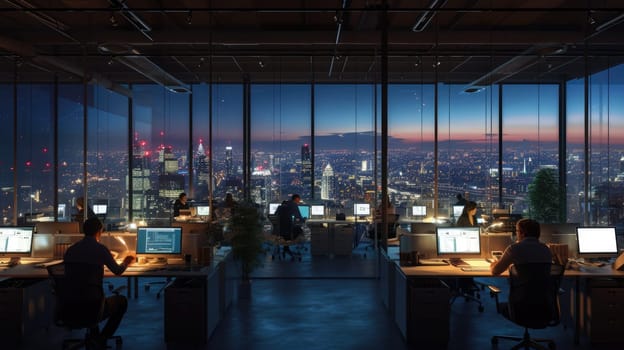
{"points": [[596, 241], [159, 240], [100, 209], [16, 241], [305, 211], [457, 210], [273, 207], [317, 210], [361, 209], [458, 241], [419, 210], [203, 210]]}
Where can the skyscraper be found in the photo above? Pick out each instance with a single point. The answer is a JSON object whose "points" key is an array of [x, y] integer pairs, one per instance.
{"points": [[306, 171], [327, 183], [229, 167]]}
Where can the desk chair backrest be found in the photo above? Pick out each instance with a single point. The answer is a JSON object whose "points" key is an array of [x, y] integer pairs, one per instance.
{"points": [[79, 303], [533, 294]]}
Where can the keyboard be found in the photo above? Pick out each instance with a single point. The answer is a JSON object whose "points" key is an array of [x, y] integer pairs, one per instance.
{"points": [[475, 268], [48, 263], [143, 268], [432, 262]]}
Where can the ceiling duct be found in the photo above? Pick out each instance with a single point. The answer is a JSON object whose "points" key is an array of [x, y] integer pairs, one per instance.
{"points": [[132, 17], [425, 18], [132, 58], [514, 66]]}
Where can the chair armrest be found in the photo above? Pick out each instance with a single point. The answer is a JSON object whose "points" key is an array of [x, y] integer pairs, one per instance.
{"points": [[494, 290], [119, 289]]}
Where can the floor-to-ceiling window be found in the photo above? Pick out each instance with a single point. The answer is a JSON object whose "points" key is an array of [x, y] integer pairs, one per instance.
{"points": [[280, 143], [7, 136], [35, 151], [107, 156], [70, 149], [530, 139], [468, 147], [344, 116], [410, 148], [160, 159]]}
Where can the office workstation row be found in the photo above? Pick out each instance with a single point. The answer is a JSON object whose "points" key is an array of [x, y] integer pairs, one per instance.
{"points": [[418, 299], [195, 299]]}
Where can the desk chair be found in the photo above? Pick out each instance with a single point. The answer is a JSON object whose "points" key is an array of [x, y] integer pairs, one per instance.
{"points": [[72, 313], [533, 301], [466, 288]]}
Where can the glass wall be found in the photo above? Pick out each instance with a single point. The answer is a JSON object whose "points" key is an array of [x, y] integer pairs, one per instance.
{"points": [[70, 149], [280, 143], [319, 143], [468, 148], [7, 136], [344, 117], [410, 148], [107, 156], [35, 150], [160, 159], [530, 139]]}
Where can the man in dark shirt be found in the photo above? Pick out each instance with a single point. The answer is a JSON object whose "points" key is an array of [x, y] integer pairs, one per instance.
{"points": [[527, 249], [84, 266], [180, 203], [289, 216]]}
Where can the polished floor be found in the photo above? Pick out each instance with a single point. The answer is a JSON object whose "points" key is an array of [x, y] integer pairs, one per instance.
{"points": [[318, 303]]}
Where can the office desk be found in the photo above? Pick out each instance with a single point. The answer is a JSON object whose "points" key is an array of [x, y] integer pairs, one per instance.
{"points": [[193, 307], [333, 237], [403, 282]]}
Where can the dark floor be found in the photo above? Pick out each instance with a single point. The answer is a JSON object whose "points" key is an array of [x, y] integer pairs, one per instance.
{"points": [[320, 303]]}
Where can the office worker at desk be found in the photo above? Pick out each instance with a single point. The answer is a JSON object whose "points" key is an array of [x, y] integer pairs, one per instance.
{"points": [[84, 266], [180, 203], [527, 249], [289, 218], [467, 217], [80, 206]]}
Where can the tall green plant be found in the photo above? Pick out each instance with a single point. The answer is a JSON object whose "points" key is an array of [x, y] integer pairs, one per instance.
{"points": [[247, 239], [545, 197]]}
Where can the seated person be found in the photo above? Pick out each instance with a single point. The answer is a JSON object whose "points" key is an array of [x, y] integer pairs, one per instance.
{"points": [[289, 219], [84, 266], [467, 217], [80, 206], [180, 203], [527, 249]]}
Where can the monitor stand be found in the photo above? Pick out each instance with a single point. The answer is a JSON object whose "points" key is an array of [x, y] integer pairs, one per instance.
{"points": [[11, 262]]}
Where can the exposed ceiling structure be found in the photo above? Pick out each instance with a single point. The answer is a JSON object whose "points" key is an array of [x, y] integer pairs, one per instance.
{"points": [[180, 42]]}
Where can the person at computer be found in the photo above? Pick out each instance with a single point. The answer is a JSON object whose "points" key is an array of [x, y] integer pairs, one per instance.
{"points": [[227, 208], [84, 264], [468, 215], [289, 219], [526, 249], [180, 203], [80, 206], [461, 200]]}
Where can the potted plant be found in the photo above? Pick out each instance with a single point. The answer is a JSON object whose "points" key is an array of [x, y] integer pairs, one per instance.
{"points": [[246, 239]]}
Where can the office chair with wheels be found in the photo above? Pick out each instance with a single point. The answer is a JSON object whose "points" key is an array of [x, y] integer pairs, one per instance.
{"points": [[533, 302], [72, 311]]}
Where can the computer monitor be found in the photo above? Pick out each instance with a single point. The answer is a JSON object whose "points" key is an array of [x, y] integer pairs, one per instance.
{"points": [[596, 242], [159, 242], [458, 241], [273, 207], [458, 210], [305, 211], [100, 209], [202, 210], [317, 210], [419, 210], [185, 212], [16, 242], [361, 209]]}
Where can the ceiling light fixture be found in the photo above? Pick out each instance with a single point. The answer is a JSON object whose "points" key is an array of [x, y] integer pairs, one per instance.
{"points": [[189, 18], [425, 18]]}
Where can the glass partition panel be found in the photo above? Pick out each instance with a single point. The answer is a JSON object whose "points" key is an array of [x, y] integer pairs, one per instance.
{"points": [[6, 157], [280, 143]]}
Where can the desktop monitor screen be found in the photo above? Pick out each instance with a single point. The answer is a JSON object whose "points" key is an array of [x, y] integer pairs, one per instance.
{"points": [[596, 241], [419, 210], [16, 241], [100, 209], [159, 241], [458, 241], [457, 210], [273, 207], [305, 211], [361, 209], [317, 210], [203, 210]]}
